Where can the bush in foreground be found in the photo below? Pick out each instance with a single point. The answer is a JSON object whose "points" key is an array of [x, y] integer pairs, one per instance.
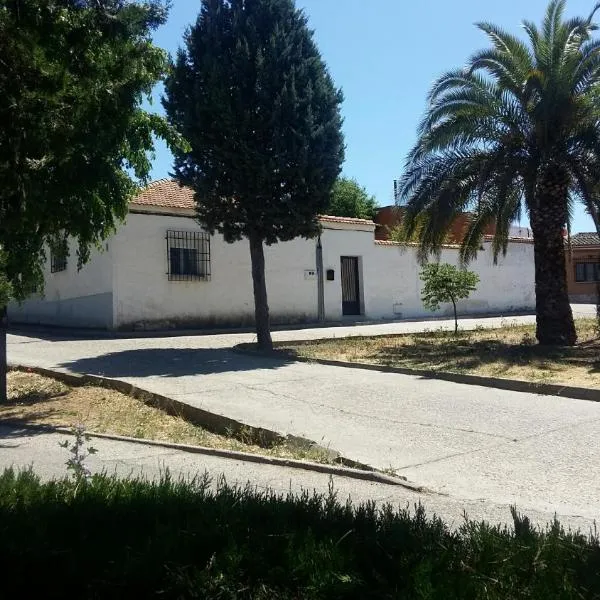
{"points": [[111, 538]]}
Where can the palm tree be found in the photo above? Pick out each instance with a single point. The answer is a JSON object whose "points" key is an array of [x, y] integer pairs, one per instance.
{"points": [[517, 130]]}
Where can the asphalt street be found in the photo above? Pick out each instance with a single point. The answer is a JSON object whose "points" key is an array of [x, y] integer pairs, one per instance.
{"points": [[471, 443]]}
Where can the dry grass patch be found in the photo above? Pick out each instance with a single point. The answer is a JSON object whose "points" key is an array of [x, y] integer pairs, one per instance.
{"points": [[509, 352], [39, 400]]}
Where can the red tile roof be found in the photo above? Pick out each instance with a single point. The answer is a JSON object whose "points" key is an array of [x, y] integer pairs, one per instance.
{"points": [[350, 220], [585, 239], [167, 193]]}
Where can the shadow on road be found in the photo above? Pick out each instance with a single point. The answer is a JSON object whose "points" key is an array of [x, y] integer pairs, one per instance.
{"points": [[13, 430], [170, 362]]}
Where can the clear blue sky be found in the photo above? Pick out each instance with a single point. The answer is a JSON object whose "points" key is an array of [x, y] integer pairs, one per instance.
{"points": [[385, 54]]}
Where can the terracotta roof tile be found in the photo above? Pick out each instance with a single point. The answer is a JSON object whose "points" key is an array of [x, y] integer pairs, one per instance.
{"points": [[585, 239], [351, 220], [165, 193]]}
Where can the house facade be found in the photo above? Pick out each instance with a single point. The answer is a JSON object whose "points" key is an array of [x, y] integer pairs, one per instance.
{"points": [[161, 271], [583, 267]]}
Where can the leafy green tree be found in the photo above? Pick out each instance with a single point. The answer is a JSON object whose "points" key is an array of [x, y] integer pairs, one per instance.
{"points": [[254, 99], [349, 199], [517, 130], [5, 296], [444, 283], [74, 140]]}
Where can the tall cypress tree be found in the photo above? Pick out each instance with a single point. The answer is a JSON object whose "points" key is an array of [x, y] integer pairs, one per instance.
{"points": [[253, 97]]}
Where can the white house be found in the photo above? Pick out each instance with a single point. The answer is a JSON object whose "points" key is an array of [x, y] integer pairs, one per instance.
{"points": [[161, 270]]}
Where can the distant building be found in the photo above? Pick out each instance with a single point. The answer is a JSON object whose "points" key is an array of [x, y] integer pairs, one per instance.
{"points": [[389, 217], [583, 267]]}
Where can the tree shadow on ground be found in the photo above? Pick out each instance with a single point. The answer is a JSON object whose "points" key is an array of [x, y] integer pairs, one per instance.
{"points": [[14, 429], [171, 362], [470, 355], [34, 397]]}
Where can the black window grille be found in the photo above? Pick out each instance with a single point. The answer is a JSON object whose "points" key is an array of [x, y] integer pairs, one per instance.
{"points": [[587, 272], [188, 255], [58, 257]]}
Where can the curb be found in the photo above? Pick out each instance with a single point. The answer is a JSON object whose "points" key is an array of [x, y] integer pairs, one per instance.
{"points": [[372, 476], [513, 385], [217, 424]]}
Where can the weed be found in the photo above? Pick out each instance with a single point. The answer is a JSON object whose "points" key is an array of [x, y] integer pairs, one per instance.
{"points": [[76, 462]]}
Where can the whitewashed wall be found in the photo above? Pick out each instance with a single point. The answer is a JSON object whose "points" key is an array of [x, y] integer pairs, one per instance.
{"points": [[144, 296], [394, 287], [73, 298], [345, 241], [127, 286]]}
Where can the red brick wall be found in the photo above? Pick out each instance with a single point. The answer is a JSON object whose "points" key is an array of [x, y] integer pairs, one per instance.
{"points": [[390, 216]]}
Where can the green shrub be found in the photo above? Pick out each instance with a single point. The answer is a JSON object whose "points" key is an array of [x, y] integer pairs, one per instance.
{"points": [[111, 538]]}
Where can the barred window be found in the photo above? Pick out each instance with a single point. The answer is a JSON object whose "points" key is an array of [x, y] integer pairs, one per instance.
{"points": [[58, 257], [188, 255], [587, 271]]}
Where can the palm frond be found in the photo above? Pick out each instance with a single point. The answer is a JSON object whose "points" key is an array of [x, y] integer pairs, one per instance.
{"points": [[493, 130], [586, 70], [537, 48], [519, 55], [460, 78], [500, 67], [552, 19], [595, 9]]}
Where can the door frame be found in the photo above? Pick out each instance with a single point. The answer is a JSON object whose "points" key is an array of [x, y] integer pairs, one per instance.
{"points": [[351, 308]]}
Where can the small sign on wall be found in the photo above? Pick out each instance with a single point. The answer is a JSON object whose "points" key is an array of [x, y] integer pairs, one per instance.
{"points": [[310, 274]]}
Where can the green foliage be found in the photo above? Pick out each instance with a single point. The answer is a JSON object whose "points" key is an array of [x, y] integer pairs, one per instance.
{"points": [[5, 287], [108, 538], [72, 132], [349, 199], [494, 130], [515, 132], [443, 283], [446, 283], [252, 95]]}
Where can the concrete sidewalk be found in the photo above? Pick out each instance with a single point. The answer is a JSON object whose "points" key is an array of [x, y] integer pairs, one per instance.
{"points": [[22, 448], [470, 442], [229, 338]]}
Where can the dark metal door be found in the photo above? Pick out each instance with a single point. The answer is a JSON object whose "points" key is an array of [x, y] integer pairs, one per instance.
{"points": [[350, 286]]}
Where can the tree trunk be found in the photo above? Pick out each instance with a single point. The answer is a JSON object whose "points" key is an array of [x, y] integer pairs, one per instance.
{"points": [[555, 325], [3, 361], [455, 317], [261, 306]]}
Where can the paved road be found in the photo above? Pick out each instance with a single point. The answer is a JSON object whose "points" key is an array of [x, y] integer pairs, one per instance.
{"points": [[24, 447], [471, 443]]}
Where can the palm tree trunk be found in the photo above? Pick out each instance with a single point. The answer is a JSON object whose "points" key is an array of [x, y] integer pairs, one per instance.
{"points": [[261, 305], [555, 325]]}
